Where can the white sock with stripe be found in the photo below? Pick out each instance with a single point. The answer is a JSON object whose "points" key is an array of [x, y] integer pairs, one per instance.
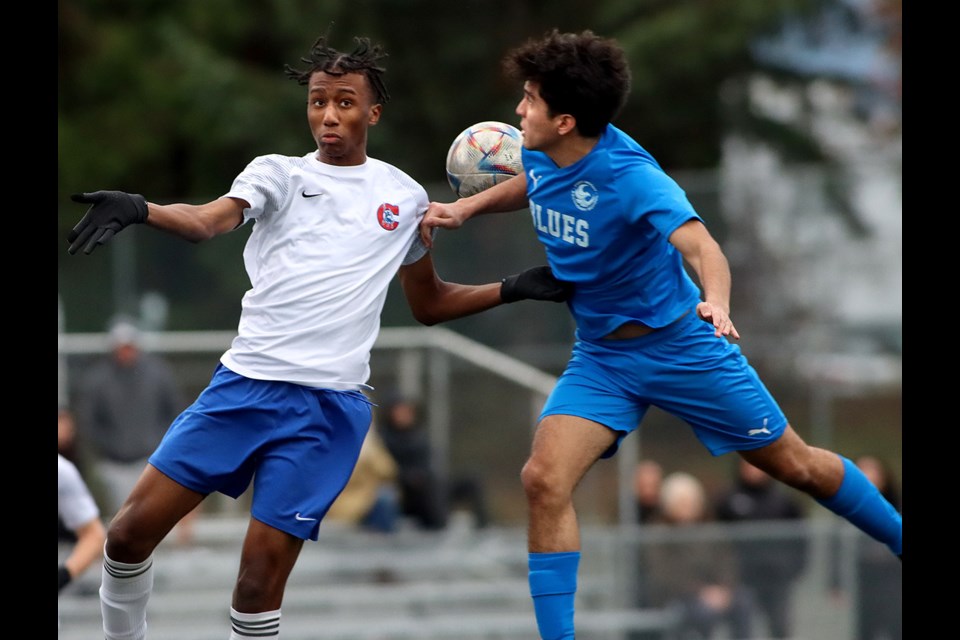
{"points": [[124, 591], [244, 626]]}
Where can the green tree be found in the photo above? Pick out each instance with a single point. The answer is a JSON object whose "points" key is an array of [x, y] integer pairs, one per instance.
{"points": [[172, 99]]}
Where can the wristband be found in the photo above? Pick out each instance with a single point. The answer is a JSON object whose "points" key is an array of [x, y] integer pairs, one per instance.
{"points": [[63, 577]]}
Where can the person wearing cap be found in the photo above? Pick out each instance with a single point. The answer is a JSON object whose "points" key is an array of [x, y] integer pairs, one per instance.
{"points": [[125, 403]]}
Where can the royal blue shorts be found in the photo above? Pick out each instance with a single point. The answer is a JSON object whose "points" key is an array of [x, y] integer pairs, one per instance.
{"points": [[299, 446], [683, 369]]}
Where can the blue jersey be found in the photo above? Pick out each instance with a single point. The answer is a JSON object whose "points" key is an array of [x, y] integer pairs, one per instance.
{"points": [[605, 222]]}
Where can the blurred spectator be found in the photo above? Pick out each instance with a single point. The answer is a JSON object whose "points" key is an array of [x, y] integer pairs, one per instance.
{"points": [[694, 573], [67, 444], [768, 566], [879, 591], [70, 447], [126, 402], [78, 511], [647, 481], [424, 496], [370, 500]]}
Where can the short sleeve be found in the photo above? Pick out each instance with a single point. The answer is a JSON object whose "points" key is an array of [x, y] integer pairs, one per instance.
{"points": [[75, 504], [263, 184]]}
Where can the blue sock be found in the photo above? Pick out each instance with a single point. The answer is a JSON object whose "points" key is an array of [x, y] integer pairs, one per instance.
{"points": [[553, 585], [859, 501]]}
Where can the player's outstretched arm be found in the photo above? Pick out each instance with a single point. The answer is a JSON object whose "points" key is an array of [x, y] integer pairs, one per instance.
{"points": [[112, 211], [510, 195], [198, 222], [433, 300]]}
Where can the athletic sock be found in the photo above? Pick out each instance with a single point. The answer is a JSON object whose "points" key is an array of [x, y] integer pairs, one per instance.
{"points": [[860, 502], [124, 591], [553, 585], [244, 626]]}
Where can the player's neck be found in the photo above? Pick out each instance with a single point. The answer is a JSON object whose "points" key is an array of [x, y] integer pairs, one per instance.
{"points": [[571, 149]]}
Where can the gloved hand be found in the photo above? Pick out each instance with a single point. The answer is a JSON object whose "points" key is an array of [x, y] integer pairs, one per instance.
{"points": [[537, 283], [63, 577], [109, 212]]}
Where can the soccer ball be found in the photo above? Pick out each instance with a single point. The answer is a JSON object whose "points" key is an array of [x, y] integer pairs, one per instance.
{"points": [[484, 154]]}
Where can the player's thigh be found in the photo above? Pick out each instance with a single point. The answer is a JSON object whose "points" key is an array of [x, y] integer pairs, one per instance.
{"points": [[708, 383], [213, 445], [598, 388], [267, 551], [151, 510], [564, 448], [307, 463]]}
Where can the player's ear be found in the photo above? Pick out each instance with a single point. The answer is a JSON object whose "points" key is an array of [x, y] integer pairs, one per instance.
{"points": [[375, 112], [565, 124]]}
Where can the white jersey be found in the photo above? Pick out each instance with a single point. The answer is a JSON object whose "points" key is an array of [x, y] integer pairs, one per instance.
{"points": [[75, 504], [326, 243]]}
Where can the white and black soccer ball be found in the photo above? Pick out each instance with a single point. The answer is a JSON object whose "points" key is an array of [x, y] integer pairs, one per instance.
{"points": [[484, 154]]}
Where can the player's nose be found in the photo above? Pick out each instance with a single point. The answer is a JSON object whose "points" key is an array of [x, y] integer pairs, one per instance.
{"points": [[330, 116]]}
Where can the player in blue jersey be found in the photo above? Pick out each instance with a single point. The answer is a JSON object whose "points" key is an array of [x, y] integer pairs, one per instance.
{"points": [[285, 409], [619, 228]]}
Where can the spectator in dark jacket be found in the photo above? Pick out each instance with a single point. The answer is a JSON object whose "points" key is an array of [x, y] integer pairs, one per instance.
{"points": [[647, 481], [426, 497], [769, 565], [127, 400]]}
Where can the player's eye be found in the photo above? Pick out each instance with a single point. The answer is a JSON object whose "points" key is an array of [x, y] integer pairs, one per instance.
{"points": [[346, 103]]}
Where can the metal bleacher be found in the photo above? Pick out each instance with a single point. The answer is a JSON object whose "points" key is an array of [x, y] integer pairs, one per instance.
{"points": [[457, 584]]}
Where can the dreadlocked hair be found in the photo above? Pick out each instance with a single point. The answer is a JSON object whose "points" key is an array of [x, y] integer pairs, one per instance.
{"points": [[364, 59]]}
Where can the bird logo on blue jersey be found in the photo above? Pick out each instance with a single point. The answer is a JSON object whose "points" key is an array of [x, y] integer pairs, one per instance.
{"points": [[585, 195]]}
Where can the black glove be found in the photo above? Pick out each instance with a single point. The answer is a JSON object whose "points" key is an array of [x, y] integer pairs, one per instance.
{"points": [[109, 212], [63, 577], [536, 283]]}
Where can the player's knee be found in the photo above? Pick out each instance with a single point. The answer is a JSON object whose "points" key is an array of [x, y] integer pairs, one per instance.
{"points": [[257, 591], [794, 473], [540, 484], [248, 594], [125, 545]]}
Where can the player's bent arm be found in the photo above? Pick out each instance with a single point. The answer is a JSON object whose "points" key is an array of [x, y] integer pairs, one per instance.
{"points": [[197, 223], [705, 256], [703, 253], [88, 548], [510, 195], [433, 300]]}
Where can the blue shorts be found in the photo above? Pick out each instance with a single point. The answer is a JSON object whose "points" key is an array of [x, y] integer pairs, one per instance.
{"points": [[683, 369], [299, 446]]}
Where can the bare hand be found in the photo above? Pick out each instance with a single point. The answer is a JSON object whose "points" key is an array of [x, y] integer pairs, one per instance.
{"points": [[719, 318], [440, 215]]}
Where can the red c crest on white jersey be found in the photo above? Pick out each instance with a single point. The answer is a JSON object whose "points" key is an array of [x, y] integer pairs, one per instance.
{"points": [[387, 216]]}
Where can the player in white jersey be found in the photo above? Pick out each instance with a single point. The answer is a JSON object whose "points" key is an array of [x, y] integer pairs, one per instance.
{"points": [[285, 406], [81, 515]]}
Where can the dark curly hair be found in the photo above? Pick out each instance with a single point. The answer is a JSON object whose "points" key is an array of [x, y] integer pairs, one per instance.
{"points": [[364, 59], [582, 74]]}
